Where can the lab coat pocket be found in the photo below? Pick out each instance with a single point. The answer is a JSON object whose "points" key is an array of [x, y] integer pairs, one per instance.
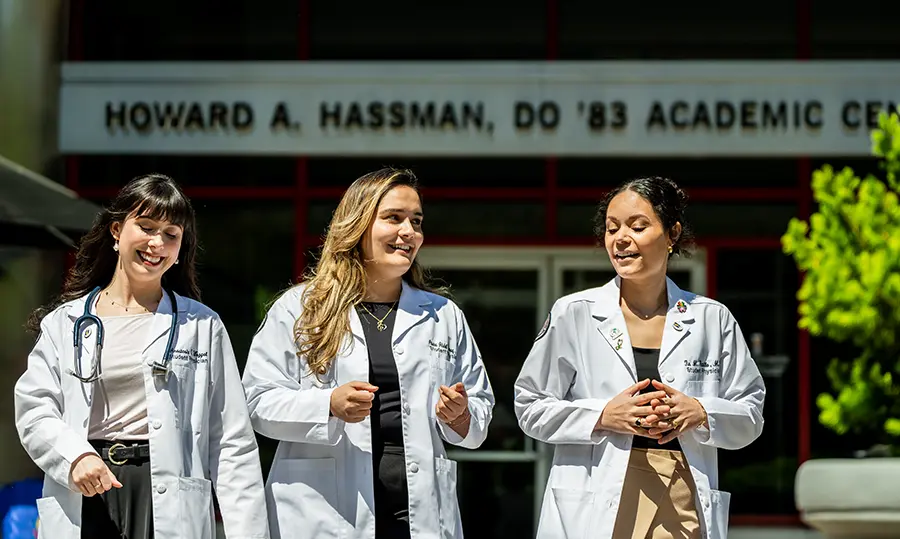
{"points": [[575, 509], [441, 374], [195, 504], [303, 499], [448, 505], [53, 523], [719, 504]]}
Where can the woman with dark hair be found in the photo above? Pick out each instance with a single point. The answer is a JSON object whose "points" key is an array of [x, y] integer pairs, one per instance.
{"points": [[137, 422], [637, 384], [363, 373]]}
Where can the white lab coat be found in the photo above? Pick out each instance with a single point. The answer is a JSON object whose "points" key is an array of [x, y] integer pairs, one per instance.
{"points": [[583, 358], [320, 483], [200, 433]]}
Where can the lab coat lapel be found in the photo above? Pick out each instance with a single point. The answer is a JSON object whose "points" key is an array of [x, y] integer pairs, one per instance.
{"points": [[611, 325], [679, 319], [411, 310], [158, 335]]}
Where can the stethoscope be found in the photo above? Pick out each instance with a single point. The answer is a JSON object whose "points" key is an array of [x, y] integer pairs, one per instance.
{"points": [[159, 368]]}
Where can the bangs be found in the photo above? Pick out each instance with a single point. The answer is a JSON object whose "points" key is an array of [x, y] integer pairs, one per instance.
{"points": [[163, 203]]}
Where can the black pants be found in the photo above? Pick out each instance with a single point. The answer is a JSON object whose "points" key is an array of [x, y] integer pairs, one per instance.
{"points": [[391, 494], [121, 513]]}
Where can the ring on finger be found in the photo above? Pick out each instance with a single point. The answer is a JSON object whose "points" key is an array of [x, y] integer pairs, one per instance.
{"points": [[638, 422]]}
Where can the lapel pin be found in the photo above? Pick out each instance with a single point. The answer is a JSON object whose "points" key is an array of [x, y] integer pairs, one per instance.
{"points": [[87, 333], [619, 344], [681, 306], [677, 326], [614, 334]]}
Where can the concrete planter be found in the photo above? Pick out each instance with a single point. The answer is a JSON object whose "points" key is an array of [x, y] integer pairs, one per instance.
{"points": [[850, 498]]}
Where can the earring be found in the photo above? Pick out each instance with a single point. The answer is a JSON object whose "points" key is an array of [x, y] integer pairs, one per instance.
{"points": [[670, 249], [177, 261], [116, 246]]}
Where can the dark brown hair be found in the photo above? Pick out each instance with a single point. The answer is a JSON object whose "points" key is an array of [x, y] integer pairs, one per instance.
{"points": [[669, 202], [155, 196]]}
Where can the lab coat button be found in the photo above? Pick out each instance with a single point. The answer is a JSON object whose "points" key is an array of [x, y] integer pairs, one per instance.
{"points": [[161, 489], [414, 468], [670, 377], [398, 350], [157, 424]]}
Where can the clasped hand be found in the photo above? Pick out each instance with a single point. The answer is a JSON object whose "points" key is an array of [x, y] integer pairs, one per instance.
{"points": [[662, 415]]}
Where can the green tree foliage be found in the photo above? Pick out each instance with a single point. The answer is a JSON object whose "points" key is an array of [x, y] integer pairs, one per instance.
{"points": [[850, 254]]}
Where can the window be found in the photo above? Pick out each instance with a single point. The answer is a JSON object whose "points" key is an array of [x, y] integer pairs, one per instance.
{"points": [[759, 287], [209, 171], [688, 173], [708, 219], [674, 30], [176, 30], [246, 258], [840, 31], [455, 173], [409, 30]]}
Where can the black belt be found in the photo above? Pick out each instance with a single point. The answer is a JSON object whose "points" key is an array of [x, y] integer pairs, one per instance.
{"points": [[119, 453]]}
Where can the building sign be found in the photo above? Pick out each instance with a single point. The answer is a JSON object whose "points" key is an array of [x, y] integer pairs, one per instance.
{"points": [[477, 109]]}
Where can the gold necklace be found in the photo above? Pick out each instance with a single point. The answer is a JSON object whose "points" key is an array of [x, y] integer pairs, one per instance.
{"points": [[650, 314], [114, 304], [380, 326]]}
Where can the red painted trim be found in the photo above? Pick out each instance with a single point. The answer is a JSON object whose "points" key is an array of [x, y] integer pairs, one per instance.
{"points": [[301, 208], [792, 521], [75, 49], [552, 29], [699, 194], [256, 193], [804, 206], [301, 190], [712, 271], [552, 200], [439, 193], [804, 29], [728, 242], [577, 241], [303, 30], [804, 372], [592, 194]]}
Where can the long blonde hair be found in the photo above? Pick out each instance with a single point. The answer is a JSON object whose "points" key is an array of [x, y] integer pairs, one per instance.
{"points": [[338, 282]]}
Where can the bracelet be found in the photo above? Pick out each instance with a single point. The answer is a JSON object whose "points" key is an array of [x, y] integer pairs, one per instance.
{"points": [[465, 416]]}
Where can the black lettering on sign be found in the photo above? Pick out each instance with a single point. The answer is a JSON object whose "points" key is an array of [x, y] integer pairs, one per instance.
{"points": [[812, 114], [748, 115], [601, 115], [850, 115], [546, 113], [724, 115], [145, 117], [773, 118], [423, 116], [657, 116], [281, 119]]}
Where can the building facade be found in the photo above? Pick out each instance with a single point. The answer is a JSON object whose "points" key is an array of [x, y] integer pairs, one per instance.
{"points": [[517, 121]]}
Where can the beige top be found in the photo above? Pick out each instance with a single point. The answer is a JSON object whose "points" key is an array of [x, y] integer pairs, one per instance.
{"points": [[119, 410]]}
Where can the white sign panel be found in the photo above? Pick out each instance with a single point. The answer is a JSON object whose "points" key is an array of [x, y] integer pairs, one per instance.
{"points": [[477, 109]]}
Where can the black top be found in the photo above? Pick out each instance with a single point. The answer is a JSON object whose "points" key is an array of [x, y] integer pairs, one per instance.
{"points": [[646, 360], [388, 456], [386, 418]]}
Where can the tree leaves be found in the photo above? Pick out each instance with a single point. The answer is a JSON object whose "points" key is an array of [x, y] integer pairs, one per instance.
{"points": [[850, 254]]}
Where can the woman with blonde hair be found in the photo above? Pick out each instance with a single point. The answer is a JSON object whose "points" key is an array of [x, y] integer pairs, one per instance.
{"points": [[362, 372]]}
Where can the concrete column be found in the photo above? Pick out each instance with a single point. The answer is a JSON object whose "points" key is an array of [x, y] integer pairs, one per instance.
{"points": [[31, 46]]}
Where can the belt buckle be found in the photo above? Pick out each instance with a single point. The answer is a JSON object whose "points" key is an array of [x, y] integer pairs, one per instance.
{"points": [[109, 454]]}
